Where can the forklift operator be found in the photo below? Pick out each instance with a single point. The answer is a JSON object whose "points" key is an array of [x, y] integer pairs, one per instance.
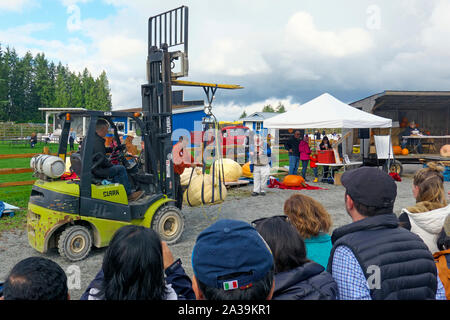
{"points": [[106, 170]]}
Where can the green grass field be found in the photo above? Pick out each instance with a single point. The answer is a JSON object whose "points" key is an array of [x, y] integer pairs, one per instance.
{"points": [[19, 195]]}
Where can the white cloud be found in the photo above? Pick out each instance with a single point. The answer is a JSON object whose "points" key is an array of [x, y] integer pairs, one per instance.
{"points": [[232, 110], [16, 5], [232, 57], [303, 35]]}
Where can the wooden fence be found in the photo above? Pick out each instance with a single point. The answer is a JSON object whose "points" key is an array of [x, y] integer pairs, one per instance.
{"points": [[17, 170]]}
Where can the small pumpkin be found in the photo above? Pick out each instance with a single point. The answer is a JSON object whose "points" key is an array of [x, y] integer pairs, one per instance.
{"points": [[405, 151], [246, 170], [293, 180], [445, 150], [397, 149]]}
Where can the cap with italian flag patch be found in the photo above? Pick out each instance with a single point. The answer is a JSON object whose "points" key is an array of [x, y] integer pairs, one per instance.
{"points": [[230, 285], [231, 254]]}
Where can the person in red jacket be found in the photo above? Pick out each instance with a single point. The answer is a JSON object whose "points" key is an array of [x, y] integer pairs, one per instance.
{"points": [[313, 164]]}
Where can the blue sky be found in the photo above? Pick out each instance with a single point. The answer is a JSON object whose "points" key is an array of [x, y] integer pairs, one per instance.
{"points": [[289, 50], [54, 14]]}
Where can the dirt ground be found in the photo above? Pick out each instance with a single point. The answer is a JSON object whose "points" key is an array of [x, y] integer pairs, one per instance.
{"points": [[239, 205]]}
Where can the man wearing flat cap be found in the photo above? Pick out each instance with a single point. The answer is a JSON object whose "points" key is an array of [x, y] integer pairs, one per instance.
{"points": [[373, 258]]}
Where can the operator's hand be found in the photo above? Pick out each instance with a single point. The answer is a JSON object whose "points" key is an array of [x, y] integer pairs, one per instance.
{"points": [[168, 259]]}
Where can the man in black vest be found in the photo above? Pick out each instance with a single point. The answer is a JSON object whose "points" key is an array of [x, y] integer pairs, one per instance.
{"points": [[373, 258]]}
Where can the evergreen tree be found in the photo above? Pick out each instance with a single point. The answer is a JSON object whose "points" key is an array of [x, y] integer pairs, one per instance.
{"points": [[30, 83], [88, 88], [280, 108], [268, 108], [62, 95], [243, 115], [103, 94], [3, 85]]}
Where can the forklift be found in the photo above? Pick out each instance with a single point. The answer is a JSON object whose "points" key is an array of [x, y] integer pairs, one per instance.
{"points": [[74, 215]]}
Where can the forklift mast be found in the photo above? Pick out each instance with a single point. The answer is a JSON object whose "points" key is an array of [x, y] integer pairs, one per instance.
{"points": [[166, 30]]}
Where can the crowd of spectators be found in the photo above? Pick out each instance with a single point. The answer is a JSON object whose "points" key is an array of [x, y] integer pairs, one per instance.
{"points": [[293, 256]]}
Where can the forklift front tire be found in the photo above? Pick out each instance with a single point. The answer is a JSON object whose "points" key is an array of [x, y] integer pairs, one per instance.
{"points": [[168, 222], [75, 243]]}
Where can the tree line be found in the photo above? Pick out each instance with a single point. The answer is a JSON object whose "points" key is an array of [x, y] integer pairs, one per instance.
{"points": [[267, 108], [28, 83]]}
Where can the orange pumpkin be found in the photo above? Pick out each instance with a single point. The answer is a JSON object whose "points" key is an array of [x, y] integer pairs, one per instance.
{"points": [[293, 180], [246, 170], [397, 149], [405, 151], [445, 150]]}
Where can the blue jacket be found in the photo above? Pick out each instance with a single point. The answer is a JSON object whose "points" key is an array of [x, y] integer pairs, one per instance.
{"points": [[307, 282]]}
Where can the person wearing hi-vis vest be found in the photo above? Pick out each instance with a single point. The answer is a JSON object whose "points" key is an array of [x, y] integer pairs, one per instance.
{"points": [[260, 163]]}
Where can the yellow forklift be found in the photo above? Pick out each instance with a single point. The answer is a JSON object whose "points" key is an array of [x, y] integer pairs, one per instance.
{"points": [[74, 215]]}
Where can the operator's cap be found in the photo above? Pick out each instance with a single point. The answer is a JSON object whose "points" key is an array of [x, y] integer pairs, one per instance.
{"points": [[370, 186], [231, 254]]}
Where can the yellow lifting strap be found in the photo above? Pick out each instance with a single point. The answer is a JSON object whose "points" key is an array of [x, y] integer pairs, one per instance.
{"points": [[204, 84]]}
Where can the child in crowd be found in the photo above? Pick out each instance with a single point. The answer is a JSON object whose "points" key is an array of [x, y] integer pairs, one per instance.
{"points": [[313, 164]]}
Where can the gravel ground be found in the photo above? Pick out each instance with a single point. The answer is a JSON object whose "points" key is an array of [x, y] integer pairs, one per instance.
{"points": [[239, 205]]}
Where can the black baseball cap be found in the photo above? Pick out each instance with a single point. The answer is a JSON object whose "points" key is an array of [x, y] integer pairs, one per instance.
{"points": [[370, 186]]}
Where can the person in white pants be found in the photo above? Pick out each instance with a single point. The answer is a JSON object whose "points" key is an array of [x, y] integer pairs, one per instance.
{"points": [[260, 163]]}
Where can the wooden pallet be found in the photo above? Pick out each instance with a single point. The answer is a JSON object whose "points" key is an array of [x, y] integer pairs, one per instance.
{"points": [[238, 183]]}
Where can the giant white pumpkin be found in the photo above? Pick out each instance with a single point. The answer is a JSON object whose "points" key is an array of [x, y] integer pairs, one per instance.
{"points": [[186, 175], [203, 184], [232, 170]]}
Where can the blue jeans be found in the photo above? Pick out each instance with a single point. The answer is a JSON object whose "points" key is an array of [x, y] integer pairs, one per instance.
{"points": [[304, 167], [293, 164], [118, 174]]}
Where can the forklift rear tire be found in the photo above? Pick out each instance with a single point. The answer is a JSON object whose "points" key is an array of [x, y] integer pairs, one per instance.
{"points": [[168, 222], [75, 243]]}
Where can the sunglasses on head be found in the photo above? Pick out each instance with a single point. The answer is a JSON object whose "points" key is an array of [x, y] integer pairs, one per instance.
{"points": [[254, 223]]}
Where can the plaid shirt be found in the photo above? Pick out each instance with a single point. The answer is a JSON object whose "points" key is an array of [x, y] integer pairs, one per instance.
{"points": [[351, 280]]}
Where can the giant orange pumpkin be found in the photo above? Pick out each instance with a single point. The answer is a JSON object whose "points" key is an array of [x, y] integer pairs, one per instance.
{"points": [[293, 180], [397, 149], [405, 151]]}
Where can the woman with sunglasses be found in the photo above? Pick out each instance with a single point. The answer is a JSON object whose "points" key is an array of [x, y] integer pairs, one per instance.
{"points": [[296, 277], [313, 223]]}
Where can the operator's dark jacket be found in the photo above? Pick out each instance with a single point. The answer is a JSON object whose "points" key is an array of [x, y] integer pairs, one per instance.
{"points": [[293, 143], [307, 282], [99, 147], [406, 265]]}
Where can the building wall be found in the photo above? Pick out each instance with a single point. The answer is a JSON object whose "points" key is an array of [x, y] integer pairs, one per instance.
{"points": [[187, 120]]}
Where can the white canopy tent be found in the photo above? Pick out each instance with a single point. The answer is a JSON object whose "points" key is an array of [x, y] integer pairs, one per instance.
{"points": [[326, 112]]}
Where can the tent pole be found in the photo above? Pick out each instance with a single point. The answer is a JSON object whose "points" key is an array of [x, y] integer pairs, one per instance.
{"points": [[389, 150]]}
